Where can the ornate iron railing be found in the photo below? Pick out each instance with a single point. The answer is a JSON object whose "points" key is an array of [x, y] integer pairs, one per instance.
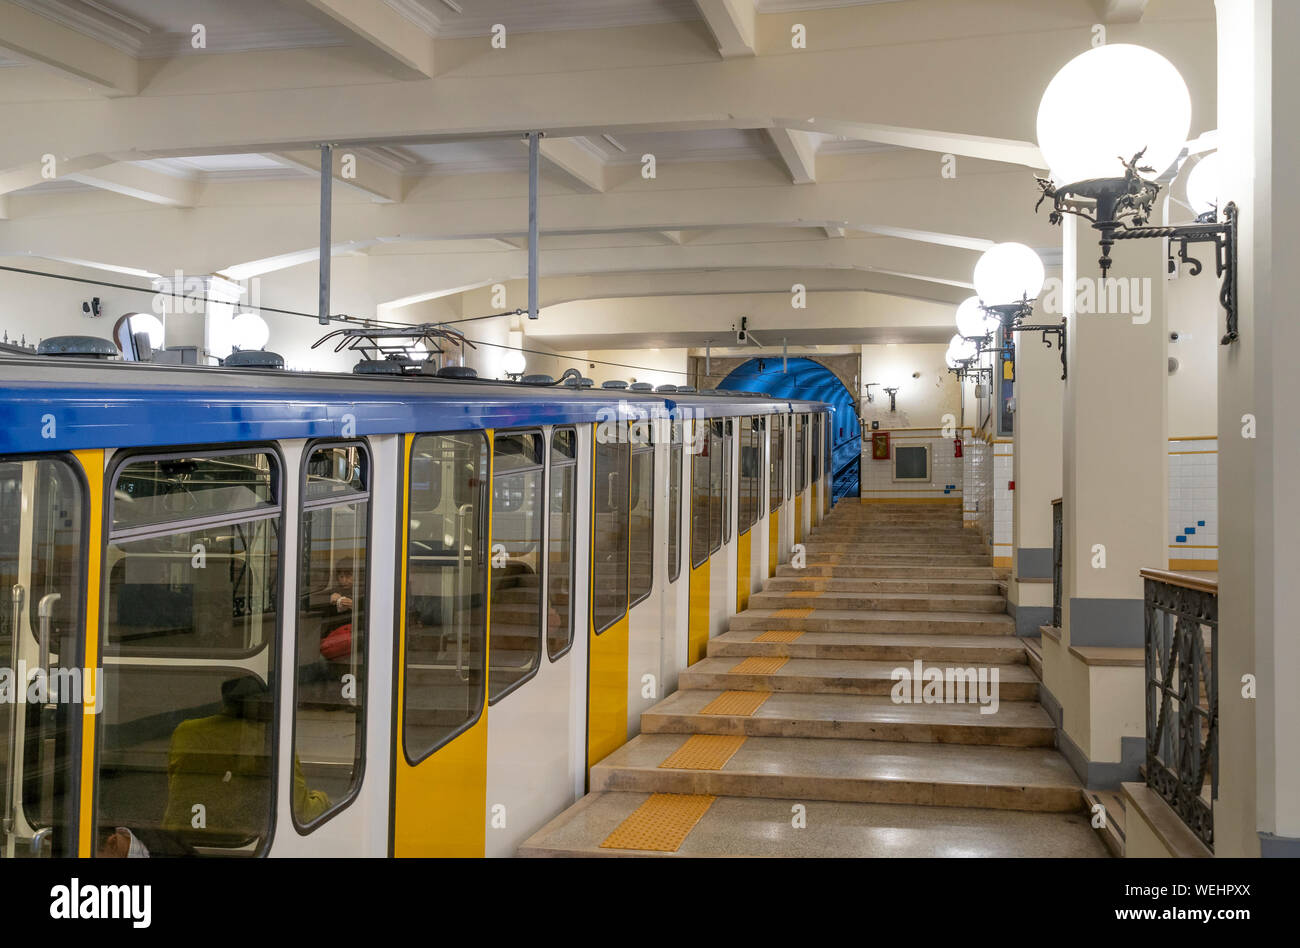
{"points": [[1182, 697], [1058, 555]]}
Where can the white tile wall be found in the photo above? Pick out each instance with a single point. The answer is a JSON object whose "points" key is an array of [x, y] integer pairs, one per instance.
{"points": [[1193, 500], [945, 469]]}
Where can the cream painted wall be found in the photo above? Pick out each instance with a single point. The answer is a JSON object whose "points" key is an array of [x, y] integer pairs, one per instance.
{"points": [[921, 401], [1194, 313]]}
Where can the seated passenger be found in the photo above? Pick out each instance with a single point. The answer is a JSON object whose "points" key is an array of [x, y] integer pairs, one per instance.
{"points": [[219, 772]]}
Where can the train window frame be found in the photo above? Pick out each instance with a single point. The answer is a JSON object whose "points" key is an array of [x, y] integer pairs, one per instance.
{"points": [[728, 443], [76, 773], [641, 447], [406, 455], [568, 464], [542, 600], [304, 505], [776, 462], [116, 462], [622, 439], [163, 528], [676, 461]]}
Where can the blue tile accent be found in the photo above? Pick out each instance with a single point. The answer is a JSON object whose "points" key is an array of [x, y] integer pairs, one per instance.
{"points": [[1189, 530], [1180, 539], [1200, 523]]}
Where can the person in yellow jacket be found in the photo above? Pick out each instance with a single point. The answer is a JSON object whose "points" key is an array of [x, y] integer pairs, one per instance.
{"points": [[220, 771]]}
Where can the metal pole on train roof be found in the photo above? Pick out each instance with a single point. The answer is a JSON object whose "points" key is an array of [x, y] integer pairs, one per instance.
{"points": [[783, 354], [326, 210], [708, 365], [533, 164]]}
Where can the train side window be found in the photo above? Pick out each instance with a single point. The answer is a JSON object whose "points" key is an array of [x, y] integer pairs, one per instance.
{"points": [[716, 464], [518, 510], [191, 616], [800, 465], [700, 545], [446, 590], [675, 501], [561, 532], [329, 721], [42, 542], [610, 495], [641, 564], [776, 465], [728, 435], [750, 459]]}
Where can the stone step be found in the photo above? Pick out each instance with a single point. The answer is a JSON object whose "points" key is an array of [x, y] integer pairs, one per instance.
{"points": [[855, 717], [1001, 778], [916, 623], [819, 558], [886, 570], [852, 677], [798, 579], [866, 646], [743, 826], [875, 602]]}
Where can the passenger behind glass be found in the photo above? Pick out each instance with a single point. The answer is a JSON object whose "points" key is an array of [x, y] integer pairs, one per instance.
{"points": [[219, 772], [336, 630]]}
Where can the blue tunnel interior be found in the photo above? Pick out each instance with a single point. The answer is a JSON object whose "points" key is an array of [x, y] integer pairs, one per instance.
{"points": [[804, 378]]}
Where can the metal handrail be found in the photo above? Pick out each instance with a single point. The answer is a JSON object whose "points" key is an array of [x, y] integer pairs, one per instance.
{"points": [[1058, 559], [1181, 647]]}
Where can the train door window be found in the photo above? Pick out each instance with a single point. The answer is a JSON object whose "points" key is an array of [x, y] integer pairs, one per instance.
{"points": [[518, 503], [700, 545], [561, 531], [446, 590], [800, 464], [715, 485], [728, 434], [329, 722], [675, 501], [191, 615], [816, 467], [42, 542], [610, 543], [750, 459], [641, 564], [776, 465]]}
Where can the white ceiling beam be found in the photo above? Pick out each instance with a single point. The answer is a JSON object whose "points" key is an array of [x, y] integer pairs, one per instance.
{"points": [[833, 232], [674, 236], [1120, 11], [951, 143], [379, 183], [400, 46], [35, 172], [799, 152], [142, 183], [732, 24], [569, 160], [37, 39]]}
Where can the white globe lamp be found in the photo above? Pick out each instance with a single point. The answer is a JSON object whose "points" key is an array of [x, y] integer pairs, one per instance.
{"points": [[1204, 185], [249, 331], [1106, 105], [1008, 273], [514, 362], [972, 321]]}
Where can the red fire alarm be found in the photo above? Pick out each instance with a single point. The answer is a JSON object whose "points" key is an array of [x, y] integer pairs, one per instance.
{"points": [[1011, 485], [956, 447]]}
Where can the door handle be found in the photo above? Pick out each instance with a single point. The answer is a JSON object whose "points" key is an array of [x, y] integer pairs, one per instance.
{"points": [[38, 841], [44, 611]]}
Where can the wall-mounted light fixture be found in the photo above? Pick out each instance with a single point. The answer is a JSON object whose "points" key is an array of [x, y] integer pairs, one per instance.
{"points": [[893, 394], [1090, 177], [1008, 278]]}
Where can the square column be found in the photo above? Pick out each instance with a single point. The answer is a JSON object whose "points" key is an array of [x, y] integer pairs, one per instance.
{"points": [[1115, 498]]}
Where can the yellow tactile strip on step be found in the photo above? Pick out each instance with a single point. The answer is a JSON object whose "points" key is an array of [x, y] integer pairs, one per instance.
{"points": [[661, 823], [792, 613], [756, 665], [704, 752], [779, 635], [742, 703], [804, 593]]}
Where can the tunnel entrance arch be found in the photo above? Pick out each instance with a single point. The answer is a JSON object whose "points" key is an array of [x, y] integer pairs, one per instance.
{"points": [[809, 379]]}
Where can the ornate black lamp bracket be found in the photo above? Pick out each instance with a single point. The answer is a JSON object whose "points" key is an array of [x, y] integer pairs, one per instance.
{"points": [[1119, 208], [1013, 316]]}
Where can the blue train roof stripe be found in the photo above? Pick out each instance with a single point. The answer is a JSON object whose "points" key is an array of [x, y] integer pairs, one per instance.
{"points": [[42, 415]]}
